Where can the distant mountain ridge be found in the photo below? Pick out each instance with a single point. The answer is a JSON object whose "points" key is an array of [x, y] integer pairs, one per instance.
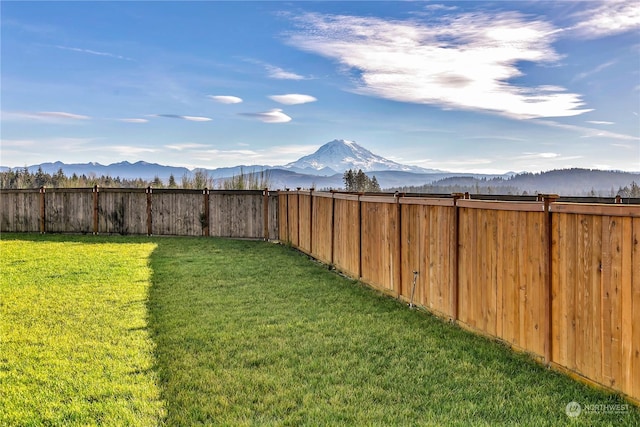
{"points": [[324, 169]]}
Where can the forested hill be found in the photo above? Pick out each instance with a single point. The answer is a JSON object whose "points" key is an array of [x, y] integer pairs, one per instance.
{"points": [[566, 182]]}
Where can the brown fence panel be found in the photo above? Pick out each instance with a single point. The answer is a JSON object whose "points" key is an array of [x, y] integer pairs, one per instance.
{"points": [[502, 269], [122, 211], [596, 293], [304, 221], [69, 210], [237, 213], [346, 234], [294, 219], [19, 210], [428, 248], [380, 245], [283, 217], [321, 227], [273, 215], [178, 212]]}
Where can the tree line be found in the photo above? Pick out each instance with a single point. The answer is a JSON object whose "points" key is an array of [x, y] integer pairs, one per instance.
{"points": [[22, 178], [360, 182]]}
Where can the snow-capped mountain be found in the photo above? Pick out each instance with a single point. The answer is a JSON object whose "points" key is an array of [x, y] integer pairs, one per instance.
{"points": [[340, 155]]}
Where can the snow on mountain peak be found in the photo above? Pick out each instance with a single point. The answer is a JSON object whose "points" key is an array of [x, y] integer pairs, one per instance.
{"points": [[340, 155]]}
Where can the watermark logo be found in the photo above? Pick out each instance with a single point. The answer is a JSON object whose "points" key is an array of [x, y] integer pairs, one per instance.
{"points": [[573, 409]]}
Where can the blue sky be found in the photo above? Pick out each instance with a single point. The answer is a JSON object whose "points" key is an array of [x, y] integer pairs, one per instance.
{"points": [[461, 86]]}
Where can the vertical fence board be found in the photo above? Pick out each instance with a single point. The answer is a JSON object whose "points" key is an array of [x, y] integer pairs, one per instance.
{"points": [[304, 224], [321, 227]]}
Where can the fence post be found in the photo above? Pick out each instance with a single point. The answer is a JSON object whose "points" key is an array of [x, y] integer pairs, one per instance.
{"points": [[205, 228], [548, 277], [310, 220], [398, 271], [265, 214], [42, 211], [455, 239], [359, 237], [149, 212], [333, 221], [96, 208], [298, 222]]}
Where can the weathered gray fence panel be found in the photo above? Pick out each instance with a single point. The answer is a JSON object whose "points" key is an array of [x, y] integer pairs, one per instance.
{"points": [[236, 214], [178, 213], [20, 211], [69, 210], [228, 213], [122, 211]]}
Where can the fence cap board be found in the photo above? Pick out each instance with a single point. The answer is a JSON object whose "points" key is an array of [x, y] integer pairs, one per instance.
{"points": [[501, 205], [323, 194], [596, 209], [345, 196], [379, 199], [427, 201]]}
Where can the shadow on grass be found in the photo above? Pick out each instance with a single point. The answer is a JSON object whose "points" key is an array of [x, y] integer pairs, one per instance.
{"points": [[254, 333]]}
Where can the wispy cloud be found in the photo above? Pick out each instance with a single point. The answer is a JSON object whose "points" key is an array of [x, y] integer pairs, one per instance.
{"points": [[225, 99], [606, 18], [293, 98], [526, 156], [50, 116], [93, 52], [279, 73], [272, 116], [596, 70], [133, 120], [600, 122], [189, 118], [463, 61], [588, 132], [185, 146]]}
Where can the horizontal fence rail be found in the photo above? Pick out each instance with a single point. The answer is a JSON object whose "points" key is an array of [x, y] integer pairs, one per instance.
{"points": [[558, 280], [222, 213]]}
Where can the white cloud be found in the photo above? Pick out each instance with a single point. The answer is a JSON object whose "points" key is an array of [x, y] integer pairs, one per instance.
{"points": [[606, 18], [463, 61], [226, 99], [600, 122], [279, 73], [133, 120], [293, 98], [539, 156], [272, 116], [189, 118], [185, 146]]}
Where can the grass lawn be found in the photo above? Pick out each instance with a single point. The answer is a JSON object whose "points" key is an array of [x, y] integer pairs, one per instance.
{"points": [[74, 343], [244, 333]]}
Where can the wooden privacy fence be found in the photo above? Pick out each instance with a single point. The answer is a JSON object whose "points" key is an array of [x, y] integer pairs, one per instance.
{"points": [[223, 213], [560, 281]]}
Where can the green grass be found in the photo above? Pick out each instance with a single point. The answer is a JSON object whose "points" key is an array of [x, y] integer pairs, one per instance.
{"points": [[250, 333], [74, 343], [244, 333]]}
